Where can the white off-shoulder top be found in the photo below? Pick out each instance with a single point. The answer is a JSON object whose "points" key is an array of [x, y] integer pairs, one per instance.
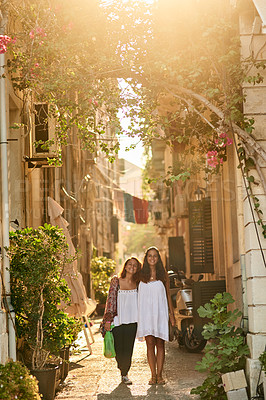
{"points": [[127, 307]]}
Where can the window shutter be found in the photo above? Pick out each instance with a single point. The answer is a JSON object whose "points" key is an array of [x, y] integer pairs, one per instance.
{"points": [[41, 125], [200, 231], [177, 259]]}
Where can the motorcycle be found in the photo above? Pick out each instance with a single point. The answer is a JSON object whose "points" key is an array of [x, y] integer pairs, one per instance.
{"points": [[186, 333]]}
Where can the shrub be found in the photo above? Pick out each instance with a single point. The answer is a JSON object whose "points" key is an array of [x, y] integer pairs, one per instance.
{"points": [[262, 359], [17, 383], [102, 269], [226, 350], [37, 259]]}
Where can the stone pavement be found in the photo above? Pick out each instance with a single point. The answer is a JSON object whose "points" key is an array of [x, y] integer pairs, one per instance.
{"points": [[93, 377]]}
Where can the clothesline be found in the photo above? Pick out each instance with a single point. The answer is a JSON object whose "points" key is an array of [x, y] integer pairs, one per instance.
{"points": [[130, 208]]}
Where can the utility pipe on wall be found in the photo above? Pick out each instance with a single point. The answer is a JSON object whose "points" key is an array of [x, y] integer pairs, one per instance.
{"points": [[5, 211]]}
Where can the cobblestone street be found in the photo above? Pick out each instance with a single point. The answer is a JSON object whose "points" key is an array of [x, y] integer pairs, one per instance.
{"points": [[93, 377]]}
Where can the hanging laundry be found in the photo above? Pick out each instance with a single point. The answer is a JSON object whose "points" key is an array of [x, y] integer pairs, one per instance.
{"points": [[140, 210], [128, 206], [119, 203]]}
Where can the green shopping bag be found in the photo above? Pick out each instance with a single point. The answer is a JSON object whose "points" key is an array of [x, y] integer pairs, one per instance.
{"points": [[108, 345]]}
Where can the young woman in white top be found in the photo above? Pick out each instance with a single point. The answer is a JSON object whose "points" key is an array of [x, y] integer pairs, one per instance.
{"points": [[121, 310], [153, 304]]}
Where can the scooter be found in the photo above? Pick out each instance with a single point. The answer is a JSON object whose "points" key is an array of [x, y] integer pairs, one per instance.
{"points": [[186, 333]]}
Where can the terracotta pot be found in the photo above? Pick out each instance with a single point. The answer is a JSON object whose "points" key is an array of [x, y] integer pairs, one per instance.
{"points": [[46, 380]]}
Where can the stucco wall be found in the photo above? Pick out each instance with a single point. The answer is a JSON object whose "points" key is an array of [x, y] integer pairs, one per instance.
{"points": [[254, 44]]}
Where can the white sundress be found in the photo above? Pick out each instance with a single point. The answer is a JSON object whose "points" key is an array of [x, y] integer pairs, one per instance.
{"points": [[153, 313]]}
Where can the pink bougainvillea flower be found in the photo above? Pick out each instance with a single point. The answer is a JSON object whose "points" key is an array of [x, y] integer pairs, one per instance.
{"points": [[36, 65], [96, 103], [212, 153], [212, 158], [5, 39], [223, 135], [221, 160], [41, 32], [229, 141], [212, 162], [32, 34], [3, 49]]}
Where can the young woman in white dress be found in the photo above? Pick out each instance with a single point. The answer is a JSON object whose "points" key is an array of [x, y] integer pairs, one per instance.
{"points": [[121, 310], [153, 304]]}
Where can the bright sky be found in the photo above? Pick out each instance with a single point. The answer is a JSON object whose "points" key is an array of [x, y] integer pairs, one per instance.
{"points": [[135, 156]]}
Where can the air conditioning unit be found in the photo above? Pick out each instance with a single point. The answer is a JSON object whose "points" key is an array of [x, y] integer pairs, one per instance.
{"points": [[43, 129]]}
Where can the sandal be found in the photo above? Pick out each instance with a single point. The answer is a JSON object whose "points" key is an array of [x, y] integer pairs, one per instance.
{"points": [[161, 381], [153, 380]]}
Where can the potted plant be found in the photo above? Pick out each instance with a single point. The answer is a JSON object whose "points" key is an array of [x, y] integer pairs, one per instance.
{"points": [[17, 383], [102, 268], [226, 350], [37, 258]]}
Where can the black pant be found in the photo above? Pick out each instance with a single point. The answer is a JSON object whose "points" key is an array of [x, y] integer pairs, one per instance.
{"points": [[124, 338]]}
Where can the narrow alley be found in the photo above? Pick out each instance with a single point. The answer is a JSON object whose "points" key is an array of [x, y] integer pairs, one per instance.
{"points": [[93, 377]]}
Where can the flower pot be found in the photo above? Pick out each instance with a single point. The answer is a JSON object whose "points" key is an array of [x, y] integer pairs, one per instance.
{"points": [[59, 373], [64, 354], [46, 380]]}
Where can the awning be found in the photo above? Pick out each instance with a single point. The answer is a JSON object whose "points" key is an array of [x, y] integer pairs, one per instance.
{"points": [[80, 303]]}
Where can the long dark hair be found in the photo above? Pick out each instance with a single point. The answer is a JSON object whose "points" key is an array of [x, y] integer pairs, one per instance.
{"points": [[123, 272], [145, 273]]}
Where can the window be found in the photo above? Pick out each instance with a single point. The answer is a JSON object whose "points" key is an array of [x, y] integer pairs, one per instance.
{"points": [[41, 125]]}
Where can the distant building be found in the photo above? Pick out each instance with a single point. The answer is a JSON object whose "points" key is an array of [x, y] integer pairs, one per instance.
{"points": [[130, 178]]}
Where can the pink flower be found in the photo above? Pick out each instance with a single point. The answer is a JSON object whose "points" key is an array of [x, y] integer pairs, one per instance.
{"points": [[221, 160], [32, 34], [212, 158], [212, 153], [4, 41], [3, 49], [212, 162], [229, 141], [36, 65], [41, 42], [96, 103], [223, 135], [41, 32]]}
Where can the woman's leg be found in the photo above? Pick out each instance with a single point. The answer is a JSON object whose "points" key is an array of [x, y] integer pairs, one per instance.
{"points": [[150, 342], [160, 356], [124, 338], [119, 346], [129, 332]]}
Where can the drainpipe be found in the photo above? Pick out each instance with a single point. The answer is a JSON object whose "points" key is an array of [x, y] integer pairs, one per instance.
{"points": [[244, 293], [5, 209]]}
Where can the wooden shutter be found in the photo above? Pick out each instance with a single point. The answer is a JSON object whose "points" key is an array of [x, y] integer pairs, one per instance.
{"points": [[177, 259], [200, 232]]}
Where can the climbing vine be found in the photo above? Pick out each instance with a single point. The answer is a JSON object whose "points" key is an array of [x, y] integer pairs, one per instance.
{"points": [[182, 79]]}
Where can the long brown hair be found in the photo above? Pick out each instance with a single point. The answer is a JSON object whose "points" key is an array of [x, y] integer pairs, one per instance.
{"points": [[145, 273], [123, 272]]}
